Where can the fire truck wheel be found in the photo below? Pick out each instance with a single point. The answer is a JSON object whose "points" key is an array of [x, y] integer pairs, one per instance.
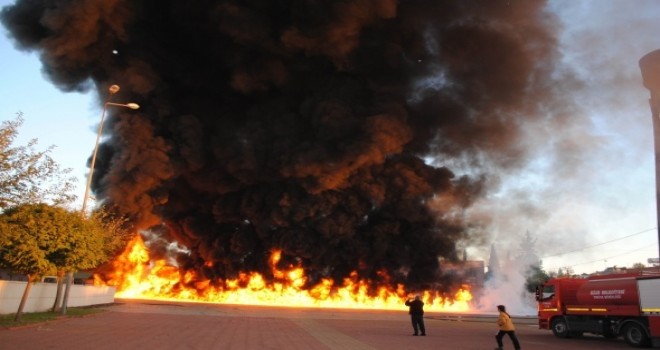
{"points": [[635, 336], [560, 328]]}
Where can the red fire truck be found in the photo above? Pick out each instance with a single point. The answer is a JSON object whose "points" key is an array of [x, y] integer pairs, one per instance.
{"points": [[625, 305]]}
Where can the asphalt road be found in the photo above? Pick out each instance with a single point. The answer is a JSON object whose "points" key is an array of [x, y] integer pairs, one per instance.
{"points": [[132, 324]]}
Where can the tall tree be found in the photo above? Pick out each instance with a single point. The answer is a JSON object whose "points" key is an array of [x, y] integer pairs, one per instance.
{"points": [[530, 264], [27, 237], [527, 255], [89, 244], [493, 264], [28, 175]]}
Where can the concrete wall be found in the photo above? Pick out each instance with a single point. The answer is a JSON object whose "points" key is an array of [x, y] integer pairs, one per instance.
{"points": [[42, 296]]}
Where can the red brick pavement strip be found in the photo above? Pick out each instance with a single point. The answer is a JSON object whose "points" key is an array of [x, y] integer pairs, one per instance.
{"points": [[118, 330], [153, 325]]}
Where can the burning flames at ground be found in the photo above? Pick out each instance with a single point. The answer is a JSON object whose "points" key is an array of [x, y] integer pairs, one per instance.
{"points": [[136, 276]]}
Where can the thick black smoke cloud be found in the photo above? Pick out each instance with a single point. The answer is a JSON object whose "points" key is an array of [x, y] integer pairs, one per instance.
{"points": [[301, 125]]}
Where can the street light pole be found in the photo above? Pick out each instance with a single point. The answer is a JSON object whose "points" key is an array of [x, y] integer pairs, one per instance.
{"points": [[650, 67], [113, 89]]}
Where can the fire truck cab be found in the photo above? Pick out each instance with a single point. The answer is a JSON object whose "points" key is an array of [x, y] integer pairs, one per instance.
{"points": [[611, 306]]}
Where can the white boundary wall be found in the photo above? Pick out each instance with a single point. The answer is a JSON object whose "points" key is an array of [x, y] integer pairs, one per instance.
{"points": [[42, 296]]}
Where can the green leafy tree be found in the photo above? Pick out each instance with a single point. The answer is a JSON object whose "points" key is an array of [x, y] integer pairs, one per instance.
{"points": [[28, 234], [534, 277], [638, 266], [28, 175], [93, 241], [39, 238]]}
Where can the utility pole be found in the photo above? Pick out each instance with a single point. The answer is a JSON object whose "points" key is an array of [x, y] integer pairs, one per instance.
{"points": [[650, 66]]}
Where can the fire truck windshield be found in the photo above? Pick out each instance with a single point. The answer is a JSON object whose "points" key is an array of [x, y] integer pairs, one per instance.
{"points": [[548, 292]]}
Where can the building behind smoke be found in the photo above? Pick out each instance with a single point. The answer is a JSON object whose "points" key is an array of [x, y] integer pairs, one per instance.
{"points": [[467, 272]]}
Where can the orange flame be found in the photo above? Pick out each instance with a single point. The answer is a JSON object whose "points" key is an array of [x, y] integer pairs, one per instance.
{"points": [[137, 277]]}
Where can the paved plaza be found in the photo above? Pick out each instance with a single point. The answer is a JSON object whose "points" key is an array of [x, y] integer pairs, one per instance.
{"points": [[163, 325]]}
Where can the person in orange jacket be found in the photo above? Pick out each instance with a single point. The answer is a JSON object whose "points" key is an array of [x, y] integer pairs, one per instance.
{"points": [[506, 327]]}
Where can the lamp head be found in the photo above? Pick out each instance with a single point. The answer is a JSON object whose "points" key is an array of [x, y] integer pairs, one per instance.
{"points": [[133, 105], [650, 66], [113, 89]]}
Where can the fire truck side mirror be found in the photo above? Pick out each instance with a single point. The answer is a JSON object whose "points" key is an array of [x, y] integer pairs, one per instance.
{"points": [[539, 292]]}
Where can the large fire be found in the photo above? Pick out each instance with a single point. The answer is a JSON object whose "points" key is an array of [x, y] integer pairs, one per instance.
{"points": [[136, 276]]}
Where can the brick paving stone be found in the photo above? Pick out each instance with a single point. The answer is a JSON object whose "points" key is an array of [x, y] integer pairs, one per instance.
{"points": [[147, 325]]}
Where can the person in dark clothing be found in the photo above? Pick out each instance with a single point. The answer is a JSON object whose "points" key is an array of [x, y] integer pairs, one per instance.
{"points": [[416, 314]]}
